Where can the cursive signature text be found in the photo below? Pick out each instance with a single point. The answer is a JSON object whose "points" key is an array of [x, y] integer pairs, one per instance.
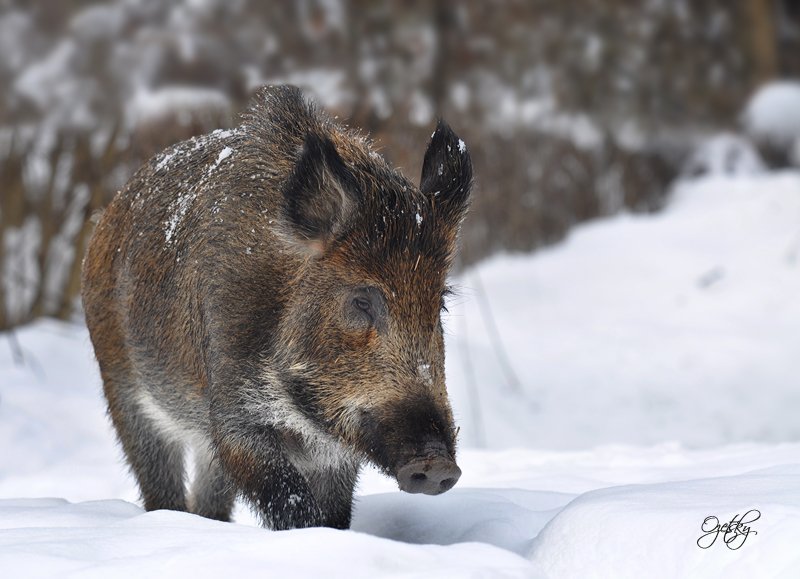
{"points": [[734, 532]]}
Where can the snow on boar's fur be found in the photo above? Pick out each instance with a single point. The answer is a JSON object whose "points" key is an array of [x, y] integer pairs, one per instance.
{"points": [[269, 297]]}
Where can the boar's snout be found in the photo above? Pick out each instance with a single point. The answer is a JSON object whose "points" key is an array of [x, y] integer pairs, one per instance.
{"points": [[431, 474], [413, 441]]}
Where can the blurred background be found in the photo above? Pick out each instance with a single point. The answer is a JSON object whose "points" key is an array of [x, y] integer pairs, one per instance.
{"points": [[678, 122], [572, 110]]}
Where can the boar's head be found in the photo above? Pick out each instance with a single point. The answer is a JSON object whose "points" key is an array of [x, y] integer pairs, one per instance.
{"points": [[361, 333]]}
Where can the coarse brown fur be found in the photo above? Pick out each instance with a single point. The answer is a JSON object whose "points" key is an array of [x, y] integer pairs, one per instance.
{"points": [[269, 297]]}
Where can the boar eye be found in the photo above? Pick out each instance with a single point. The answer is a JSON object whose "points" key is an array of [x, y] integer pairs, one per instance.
{"points": [[366, 306]]}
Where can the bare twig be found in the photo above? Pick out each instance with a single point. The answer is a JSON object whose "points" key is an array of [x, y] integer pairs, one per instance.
{"points": [[494, 335], [472, 387], [16, 350]]}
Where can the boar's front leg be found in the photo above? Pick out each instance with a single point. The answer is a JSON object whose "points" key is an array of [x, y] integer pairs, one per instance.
{"points": [[252, 456], [333, 486]]}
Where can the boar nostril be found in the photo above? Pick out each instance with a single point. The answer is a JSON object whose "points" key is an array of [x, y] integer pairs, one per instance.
{"points": [[447, 484], [418, 476]]}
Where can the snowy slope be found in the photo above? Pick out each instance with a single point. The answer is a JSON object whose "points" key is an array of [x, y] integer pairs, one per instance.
{"points": [[683, 325], [635, 340]]}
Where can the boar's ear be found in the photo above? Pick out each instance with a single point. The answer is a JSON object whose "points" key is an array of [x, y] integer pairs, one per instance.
{"points": [[447, 172], [320, 195]]}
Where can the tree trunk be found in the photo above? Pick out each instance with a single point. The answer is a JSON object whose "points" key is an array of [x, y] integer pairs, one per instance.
{"points": [[763, 44]]}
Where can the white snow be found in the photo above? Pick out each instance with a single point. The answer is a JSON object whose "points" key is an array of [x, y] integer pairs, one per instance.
{"points": [[166, 157], [324, 85], [98, 22], [20, 276], [63, 99], [724, 154], [179, 208], [223, 154], [680, 325], [578, 128], [420, 109], [223, 133], [773, 113], [633, 341], [542, 114], [15, 27], [154, 104]]}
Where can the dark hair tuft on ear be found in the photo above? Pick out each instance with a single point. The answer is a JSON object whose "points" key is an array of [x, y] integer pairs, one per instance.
{"points": [[447, 171]]}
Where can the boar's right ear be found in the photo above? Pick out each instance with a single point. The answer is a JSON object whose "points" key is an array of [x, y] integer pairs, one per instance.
{"points": [[320, 195], [447, 172]]}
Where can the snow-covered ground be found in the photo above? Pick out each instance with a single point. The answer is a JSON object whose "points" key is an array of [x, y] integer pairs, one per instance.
{"points": [[682, 325], [644, 383]]}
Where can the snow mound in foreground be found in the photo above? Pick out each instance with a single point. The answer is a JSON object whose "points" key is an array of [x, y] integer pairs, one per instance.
{"points": [[53, 538], [651, 530], [669, 529]]}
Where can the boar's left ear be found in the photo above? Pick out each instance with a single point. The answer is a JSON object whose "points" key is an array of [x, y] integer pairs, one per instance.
{"points": [[320, 195], [447, 172]]}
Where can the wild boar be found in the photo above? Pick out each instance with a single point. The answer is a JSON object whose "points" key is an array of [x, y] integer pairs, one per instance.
{"points": [[269, 297]]}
